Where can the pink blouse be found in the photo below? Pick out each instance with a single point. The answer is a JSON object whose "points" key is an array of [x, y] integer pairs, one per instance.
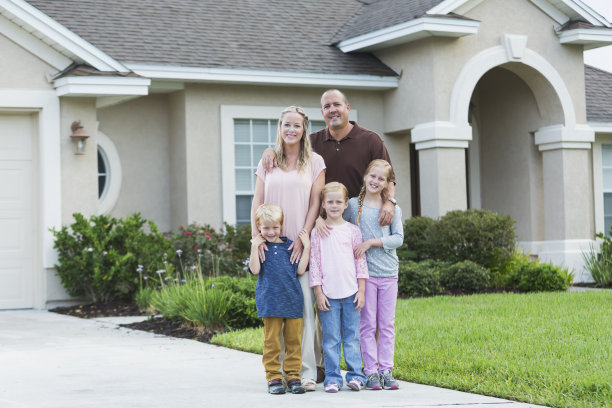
{"points": [[290, 190], [332, 263]]}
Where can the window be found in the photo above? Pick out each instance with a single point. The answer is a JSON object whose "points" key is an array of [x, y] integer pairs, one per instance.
{"points": [[246, 131], [109, 174], [606, 151]]}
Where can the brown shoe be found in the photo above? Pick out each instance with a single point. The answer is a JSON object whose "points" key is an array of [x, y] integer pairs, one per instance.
{"points": [[320, 374]]}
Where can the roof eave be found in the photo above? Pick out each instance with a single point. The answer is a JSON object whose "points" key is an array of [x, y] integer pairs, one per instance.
{"points": [[96, 86], [409, 31], [260, 77], [588, 37]]}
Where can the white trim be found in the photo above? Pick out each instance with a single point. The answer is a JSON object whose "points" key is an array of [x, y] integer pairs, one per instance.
{"points": [[33, 45], [492, 57], [101, 86], [242, 76], [561, 137], [553, 12], [410, 31], [601, 127], [440, 134], [598, 201], [114, 174], [587, 12], [58, 36], [594, 37], [47, 104], [227, 115], [564, 253]]}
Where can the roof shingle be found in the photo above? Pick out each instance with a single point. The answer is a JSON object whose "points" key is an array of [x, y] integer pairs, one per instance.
{"points": [[598, 87]]}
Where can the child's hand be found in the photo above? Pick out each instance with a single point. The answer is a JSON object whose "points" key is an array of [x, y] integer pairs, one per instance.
{"points": [[305, 239], [360, 300], [259, 242], [361, 249], [322, 302]]}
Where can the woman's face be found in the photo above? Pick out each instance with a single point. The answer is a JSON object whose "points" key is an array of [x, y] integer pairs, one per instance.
{"points": [[292, 128]]}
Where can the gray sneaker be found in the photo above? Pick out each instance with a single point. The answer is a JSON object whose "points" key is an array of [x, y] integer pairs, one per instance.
{"points": [[387, 380], [373, 382]]}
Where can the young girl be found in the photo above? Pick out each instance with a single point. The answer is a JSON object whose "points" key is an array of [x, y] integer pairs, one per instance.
{"points": [[338, 280], [381, 288]]}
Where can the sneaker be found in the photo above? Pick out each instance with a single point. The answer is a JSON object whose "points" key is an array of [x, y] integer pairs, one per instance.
{"points": [[332, 387], [295, 386], [309, 385], [276, 386], [387, 380], [355, 384], [373, 382]]}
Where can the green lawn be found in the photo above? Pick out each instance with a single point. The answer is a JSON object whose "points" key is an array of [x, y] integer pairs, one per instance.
{"points": [[552, 349]]}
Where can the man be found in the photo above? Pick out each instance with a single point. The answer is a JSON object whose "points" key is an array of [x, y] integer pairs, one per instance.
{"points": [[347, 149]]}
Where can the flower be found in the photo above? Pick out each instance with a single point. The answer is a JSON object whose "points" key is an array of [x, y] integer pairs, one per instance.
{"points": [[145, 277], [188, 233], [179, 251], [213, 285], [89, 249], [193, 267], [140, 268], [181, 226], [166, 278], [160, 271]]}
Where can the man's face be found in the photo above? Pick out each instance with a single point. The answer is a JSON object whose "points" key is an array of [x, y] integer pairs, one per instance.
{"points": [[334, 110]]}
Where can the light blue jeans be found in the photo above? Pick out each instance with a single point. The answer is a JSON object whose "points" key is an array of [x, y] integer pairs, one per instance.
{"points": [[341, 324]]}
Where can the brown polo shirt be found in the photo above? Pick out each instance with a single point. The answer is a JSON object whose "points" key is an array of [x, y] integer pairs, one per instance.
{"points": [[347, 159]]}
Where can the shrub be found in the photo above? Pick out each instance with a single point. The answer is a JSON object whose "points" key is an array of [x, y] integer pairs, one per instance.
{"points": [[480, 236], [99, 257], [465, 276], [218, 252], [600, 264], [419, 279], [501, 273], [242, 309], [536, 277], [417, 245]]}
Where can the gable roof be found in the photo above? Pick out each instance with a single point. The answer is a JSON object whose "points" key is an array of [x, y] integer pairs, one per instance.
{"points": [[598, 89], [282, 36]]}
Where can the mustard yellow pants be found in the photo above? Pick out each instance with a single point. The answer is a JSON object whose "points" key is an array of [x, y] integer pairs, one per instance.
{"points": [[292, 335]]}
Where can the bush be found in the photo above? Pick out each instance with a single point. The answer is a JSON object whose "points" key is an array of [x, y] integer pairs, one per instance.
{"points": [[242, 308], [101, 257], [465, 276], [536, 277], [218, 252], [417, 245], [480, 236], [600, 264], [419, 279], [501, 273]]}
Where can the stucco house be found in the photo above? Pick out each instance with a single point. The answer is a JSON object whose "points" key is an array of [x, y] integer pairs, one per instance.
{"points": [[481, 103]]}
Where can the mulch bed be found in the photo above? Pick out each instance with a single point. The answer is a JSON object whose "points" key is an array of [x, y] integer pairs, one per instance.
{"points": [[157, 325]]}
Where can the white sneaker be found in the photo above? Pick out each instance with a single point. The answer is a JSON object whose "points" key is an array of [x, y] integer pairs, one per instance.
{"points": [[332, 387], [355, 384], [308, 384]]}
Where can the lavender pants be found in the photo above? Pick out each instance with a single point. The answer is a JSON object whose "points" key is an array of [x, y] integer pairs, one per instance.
{"points": [[378, 313]]}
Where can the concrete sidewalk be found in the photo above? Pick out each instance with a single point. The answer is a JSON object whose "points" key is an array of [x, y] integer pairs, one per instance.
{"points": [[49, 360]]}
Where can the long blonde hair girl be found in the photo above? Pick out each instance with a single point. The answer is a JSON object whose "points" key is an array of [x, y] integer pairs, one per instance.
{"points": [[305, 147], [384, 192], [334, 187]]}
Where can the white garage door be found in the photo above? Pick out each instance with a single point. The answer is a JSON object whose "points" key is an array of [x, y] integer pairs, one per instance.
{"points": [[18, 238]]}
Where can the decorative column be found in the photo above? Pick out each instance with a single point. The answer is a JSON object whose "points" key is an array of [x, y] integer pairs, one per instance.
{"points": [[568, 195], [442, 171]]}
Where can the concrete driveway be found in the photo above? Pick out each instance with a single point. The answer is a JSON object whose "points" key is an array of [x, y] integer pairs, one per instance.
{"points": [[49, 360]]}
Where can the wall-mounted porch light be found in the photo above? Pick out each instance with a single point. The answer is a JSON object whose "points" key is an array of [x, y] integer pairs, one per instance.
{"points": [[79, 136]]}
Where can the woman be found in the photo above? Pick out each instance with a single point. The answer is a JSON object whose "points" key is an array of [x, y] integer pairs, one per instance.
{"points": [[295, 186]]}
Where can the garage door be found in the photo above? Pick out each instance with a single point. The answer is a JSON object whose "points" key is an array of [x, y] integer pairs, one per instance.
{"points": [[18, 239]]}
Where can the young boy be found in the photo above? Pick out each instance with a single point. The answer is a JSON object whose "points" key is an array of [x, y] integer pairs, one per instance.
{"points": [[279, 298]]}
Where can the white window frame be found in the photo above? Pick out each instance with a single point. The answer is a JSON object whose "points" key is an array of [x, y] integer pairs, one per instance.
{"points": [[603, 136], [228, 114], [114, 174]]}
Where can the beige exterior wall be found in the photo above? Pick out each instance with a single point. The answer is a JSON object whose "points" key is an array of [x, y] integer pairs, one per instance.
{"points": [[430, 67], [139, 131], [79, 172], [21, 69], [510, 163]]}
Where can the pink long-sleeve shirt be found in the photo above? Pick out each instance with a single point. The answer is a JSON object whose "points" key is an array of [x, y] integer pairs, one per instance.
{"points": [[332, 263]]}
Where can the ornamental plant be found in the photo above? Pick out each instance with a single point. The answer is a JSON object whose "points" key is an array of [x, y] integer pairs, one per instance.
{"points": [[102, 258]]}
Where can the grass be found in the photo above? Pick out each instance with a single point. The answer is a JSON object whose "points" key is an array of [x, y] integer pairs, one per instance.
{"points": [[551, 349]]}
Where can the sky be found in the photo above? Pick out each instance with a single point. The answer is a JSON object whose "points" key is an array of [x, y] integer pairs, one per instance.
{"points": [[600, 57]]}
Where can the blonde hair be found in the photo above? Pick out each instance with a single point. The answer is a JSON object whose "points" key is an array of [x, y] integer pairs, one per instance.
{"points": [[270, 213], [305, 147], [333, 187], [374, 163]]}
